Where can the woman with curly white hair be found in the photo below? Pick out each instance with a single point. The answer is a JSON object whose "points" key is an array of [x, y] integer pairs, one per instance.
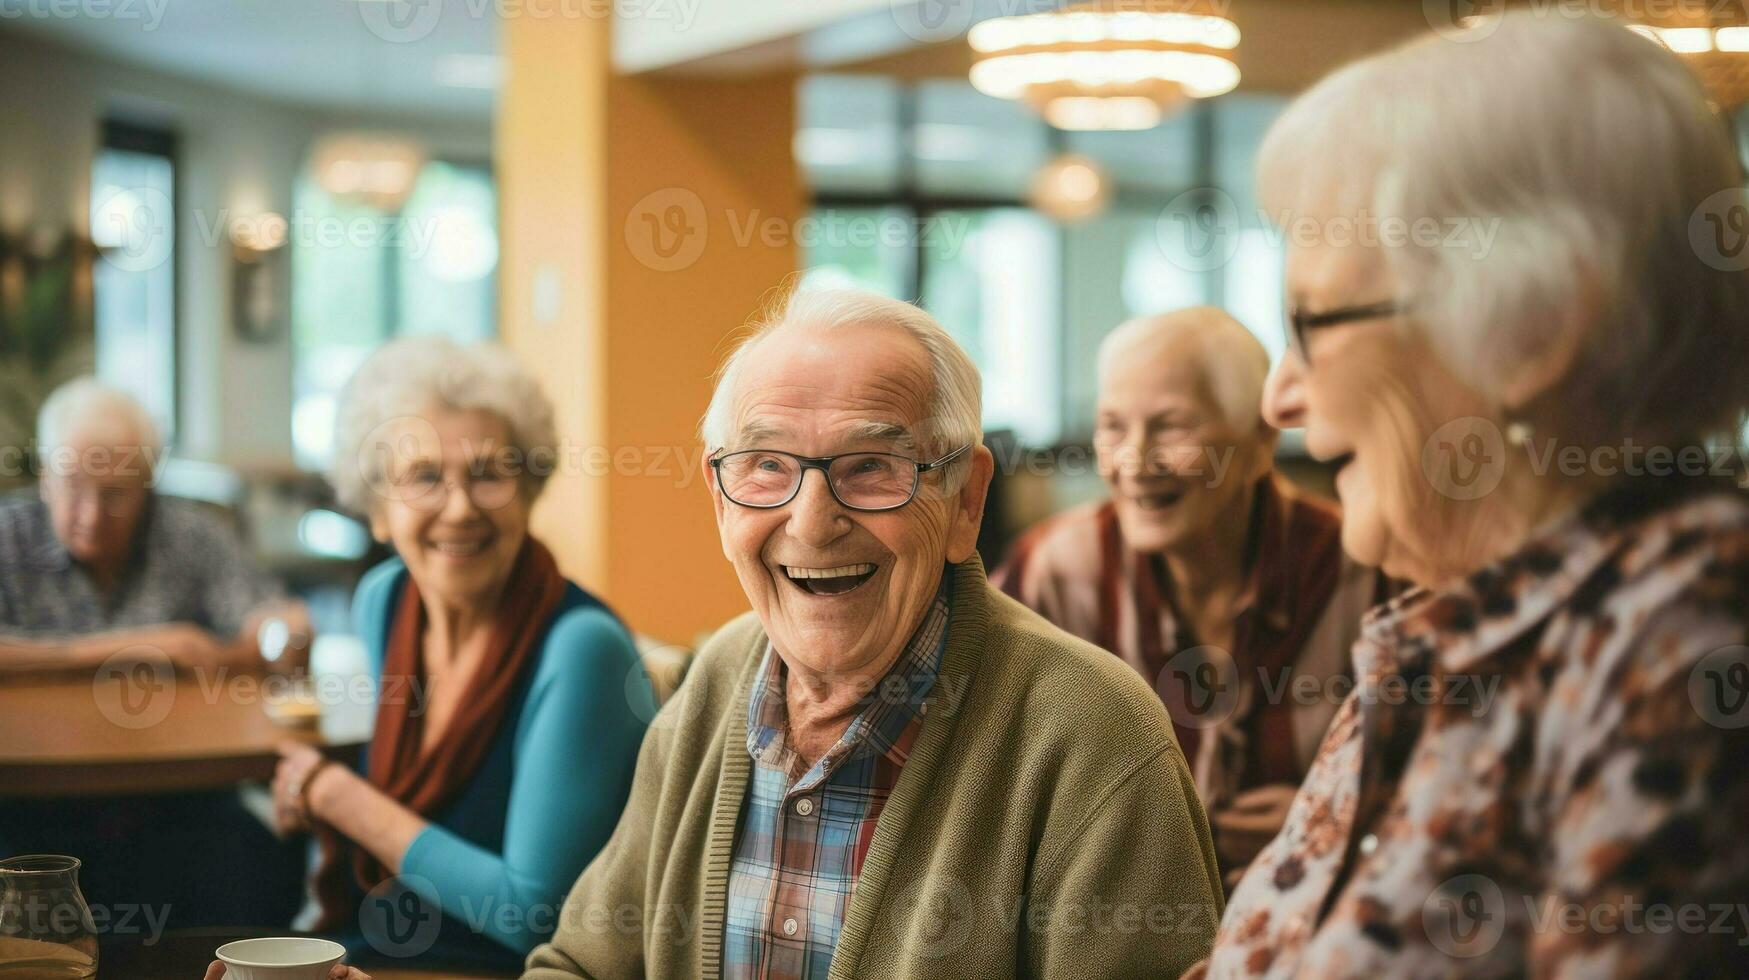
{"points": [[511, 703], [1522, 373]]}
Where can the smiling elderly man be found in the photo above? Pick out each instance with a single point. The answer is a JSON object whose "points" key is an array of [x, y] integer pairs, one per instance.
{"points": [[888, 769], [1206, 571]]}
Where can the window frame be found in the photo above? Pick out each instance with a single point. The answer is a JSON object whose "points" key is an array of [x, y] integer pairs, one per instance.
{"points": [[131, 136], [389, 323], [1206, 120]]}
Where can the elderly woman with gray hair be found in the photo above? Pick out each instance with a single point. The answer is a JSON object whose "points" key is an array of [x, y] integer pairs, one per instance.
{"points": [[1542, 769], [511, 703]]}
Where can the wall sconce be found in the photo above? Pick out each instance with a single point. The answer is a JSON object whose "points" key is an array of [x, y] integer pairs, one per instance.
{"points": [[257, 279]]}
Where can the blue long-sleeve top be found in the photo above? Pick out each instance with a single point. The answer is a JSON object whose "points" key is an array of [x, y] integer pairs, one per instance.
{"points": [[498, 860]]}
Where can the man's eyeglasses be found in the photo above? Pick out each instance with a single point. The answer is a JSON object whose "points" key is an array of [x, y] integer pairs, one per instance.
{"points": [[1300, 323], [766, 478]]}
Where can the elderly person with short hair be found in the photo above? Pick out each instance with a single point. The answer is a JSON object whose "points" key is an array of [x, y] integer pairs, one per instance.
{"points": [[1537, 775], [95, 562], [510, 702], [887, 769], [1218, 581]]}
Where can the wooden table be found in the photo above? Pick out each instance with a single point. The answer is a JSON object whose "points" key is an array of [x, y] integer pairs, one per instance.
{"points": [[147, 729]]}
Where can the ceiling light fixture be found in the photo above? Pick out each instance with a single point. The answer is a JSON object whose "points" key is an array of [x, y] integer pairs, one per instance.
{"points": [[1713, 41], [1107, 65]]}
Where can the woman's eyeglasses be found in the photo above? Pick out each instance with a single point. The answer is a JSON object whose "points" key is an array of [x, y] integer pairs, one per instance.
{"points": [[426, 488], [766, 478], [1300, 323]]}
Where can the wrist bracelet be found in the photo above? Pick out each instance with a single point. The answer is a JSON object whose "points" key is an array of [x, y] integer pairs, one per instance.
{"points": [[304, 789]]}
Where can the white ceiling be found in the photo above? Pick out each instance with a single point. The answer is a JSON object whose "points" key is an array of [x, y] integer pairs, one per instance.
{"points": [[390, 56], [436, 57]]}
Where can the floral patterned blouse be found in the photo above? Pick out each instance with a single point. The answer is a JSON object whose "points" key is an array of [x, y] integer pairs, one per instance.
{"points": [[1543, 770]]}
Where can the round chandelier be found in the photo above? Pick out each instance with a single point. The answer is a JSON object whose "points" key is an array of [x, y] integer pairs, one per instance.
{"points": [[1115, 64], [1713, 40]]}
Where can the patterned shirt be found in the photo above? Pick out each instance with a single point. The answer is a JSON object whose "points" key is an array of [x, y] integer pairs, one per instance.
{"points": [[186, 567], [1297, 619], [1542, 772], [801, 842]]}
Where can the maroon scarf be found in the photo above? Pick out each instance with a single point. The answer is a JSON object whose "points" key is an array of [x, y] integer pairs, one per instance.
{"points": [[421, 779]]}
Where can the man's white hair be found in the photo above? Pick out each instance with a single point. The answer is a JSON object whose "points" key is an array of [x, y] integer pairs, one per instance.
{"points": [[955, 406], [86, 406], [1588, 152], [411, 376], [1229, 357]]}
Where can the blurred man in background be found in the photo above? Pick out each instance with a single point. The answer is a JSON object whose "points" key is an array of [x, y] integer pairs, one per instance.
{"points": [[1215, 578], [95, 562]]}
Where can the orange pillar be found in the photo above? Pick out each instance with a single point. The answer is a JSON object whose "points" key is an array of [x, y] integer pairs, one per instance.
{"points": [[693, 166], [644, 220], [551, 167]]}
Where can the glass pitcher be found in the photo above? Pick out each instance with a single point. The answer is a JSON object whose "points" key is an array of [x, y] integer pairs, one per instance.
{"points": [[45, 926]]}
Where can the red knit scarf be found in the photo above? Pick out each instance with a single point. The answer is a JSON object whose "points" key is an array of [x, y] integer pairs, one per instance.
{"points": [[425, 779]]}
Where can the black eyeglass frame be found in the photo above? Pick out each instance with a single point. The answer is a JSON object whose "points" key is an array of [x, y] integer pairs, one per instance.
{"points": [[823, 464], [1301, 323]]}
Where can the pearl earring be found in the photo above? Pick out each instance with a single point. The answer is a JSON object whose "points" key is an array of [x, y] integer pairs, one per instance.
{"points": [[1518, 432]]}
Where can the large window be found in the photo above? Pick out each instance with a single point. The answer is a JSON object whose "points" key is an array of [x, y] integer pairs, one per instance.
{"points": [[879, 263], [1028, 297], [361, 276], [990, 275], [133, 220]]}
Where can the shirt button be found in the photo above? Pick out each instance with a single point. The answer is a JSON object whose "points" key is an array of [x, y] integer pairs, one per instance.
{"points": [[789, 927], [923, 708], [804, 806], [1369, 844]]}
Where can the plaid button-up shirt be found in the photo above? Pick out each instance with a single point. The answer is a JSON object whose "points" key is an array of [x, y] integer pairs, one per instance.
{"points": [[186, 566], [801, 842]]}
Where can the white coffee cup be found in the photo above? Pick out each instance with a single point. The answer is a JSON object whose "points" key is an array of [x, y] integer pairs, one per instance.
{"points": [[287, 958]]}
